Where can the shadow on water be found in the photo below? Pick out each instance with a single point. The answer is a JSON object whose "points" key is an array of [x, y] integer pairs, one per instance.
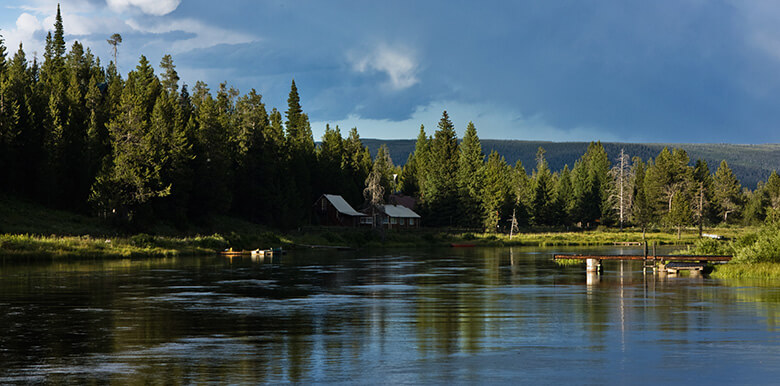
{"points": [[463, 315]]}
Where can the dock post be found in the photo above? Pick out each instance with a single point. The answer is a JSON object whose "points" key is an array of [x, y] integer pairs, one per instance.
{"points": [[593, 265], [654, 255]]}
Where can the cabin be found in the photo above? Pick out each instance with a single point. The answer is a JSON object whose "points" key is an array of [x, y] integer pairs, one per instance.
{"points": [[395, 217], [333, 210]]}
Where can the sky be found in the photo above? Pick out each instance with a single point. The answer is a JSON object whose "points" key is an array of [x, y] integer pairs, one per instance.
{"points": [[628, 71]]}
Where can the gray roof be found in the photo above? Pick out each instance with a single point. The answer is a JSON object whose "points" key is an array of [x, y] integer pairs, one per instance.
{"points": [[399, 211], [341, 205]]}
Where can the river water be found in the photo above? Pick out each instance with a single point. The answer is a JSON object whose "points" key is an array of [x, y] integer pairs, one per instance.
{"points": [[470, 315]]}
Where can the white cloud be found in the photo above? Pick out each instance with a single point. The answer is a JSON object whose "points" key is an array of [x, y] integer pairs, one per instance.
{"points": [[397, 62], [205, 35], [26, 26], [151, 7]]}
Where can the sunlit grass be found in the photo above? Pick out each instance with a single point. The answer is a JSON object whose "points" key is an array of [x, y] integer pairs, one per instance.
{"points": [[87, 246], [747, 271]]}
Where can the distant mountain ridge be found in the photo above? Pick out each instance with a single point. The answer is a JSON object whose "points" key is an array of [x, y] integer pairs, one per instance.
{"points": [[750, 163]]}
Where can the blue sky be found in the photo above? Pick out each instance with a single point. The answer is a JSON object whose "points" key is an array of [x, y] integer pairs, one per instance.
{"points": [[650, 71]]}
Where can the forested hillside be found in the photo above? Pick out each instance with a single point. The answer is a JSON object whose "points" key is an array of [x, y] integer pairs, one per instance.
{"points": [[750, 163]]}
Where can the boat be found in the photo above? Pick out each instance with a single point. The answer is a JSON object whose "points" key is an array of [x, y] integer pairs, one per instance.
{"points": [[462, 245], [268, 252], [231, 252]]}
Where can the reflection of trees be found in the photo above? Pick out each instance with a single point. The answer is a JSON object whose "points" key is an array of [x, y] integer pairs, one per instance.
{"points": [[450, 301]]}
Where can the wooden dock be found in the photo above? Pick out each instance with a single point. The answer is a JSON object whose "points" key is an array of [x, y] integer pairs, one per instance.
{"points": [[662, 263], [690, 258]]}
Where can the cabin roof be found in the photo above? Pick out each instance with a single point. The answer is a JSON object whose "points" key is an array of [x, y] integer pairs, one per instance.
{"points": [[399, 211], [341, 205]]}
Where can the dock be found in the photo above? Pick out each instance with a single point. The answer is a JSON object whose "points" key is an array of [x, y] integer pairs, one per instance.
{"points": [[665, 263]]}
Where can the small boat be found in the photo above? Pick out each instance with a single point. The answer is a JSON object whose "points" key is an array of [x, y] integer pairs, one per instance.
{"points": [[231, 252], [268, 252], [462, 245]]}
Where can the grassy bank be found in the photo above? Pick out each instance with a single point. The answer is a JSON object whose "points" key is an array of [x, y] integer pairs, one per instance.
{"points": [[30, 230], [747, 271], [756, 254], [30, 246]]}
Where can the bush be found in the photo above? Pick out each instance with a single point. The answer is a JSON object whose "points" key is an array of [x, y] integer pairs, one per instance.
{"points": [[332, 237], [142, 240], [214, 242], [708, 246], [765, 249], [469, 236]]}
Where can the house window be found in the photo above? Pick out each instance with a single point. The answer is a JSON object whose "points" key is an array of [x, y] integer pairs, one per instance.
{"points": [[403, 221], [324, 204], [393, 220], [366, 220], [411, 221], [384, 220]]}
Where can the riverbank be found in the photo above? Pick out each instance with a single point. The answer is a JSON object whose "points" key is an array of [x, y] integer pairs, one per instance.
{"points": [[247, 236], [29, 230]]}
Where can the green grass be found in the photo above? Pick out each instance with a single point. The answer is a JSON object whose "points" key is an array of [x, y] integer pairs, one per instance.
{"points": [[569, 262], [747, 271], [30, 246]]}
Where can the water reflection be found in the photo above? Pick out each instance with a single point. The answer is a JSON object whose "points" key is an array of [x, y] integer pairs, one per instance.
{"points": [[462, 315]]}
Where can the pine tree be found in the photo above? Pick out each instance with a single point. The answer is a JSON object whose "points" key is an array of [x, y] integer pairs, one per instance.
{"points": [[542, 204], [470, 163], [407, 180], [170, 78], [498, 193], [357, 164], [680, 212], [702, 186], [668, 177], [771, 191], [564, 197], [125, 189], [114, 41], [330, 155], [415, 181], [300, 146], [590, 178], [249, 146], [642, 211], [523, 193], [10, 116], [383, 167], [726, 191], [440, 193]]}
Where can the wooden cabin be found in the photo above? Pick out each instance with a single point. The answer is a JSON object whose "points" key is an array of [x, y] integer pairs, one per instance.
{"points": [[395, 217], [333, 210]]}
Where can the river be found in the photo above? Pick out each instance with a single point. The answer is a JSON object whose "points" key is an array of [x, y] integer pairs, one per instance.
{"points": [[458, 315]]}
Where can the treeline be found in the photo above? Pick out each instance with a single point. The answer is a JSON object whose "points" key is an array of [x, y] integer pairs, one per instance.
{"points": [[76, 135], [458, 186], [750, 163]]}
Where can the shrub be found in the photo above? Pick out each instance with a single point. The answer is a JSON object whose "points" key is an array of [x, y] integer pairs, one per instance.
{"points": [[142, 240]]}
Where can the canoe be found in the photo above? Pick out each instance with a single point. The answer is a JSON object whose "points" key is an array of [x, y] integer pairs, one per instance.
{"points": [[462, 245], [235, 253]]}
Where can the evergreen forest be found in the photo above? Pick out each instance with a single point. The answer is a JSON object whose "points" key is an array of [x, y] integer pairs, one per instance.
{"points": [[143, 148]]}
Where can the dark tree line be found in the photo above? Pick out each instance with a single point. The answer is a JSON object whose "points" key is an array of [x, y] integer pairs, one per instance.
{"points": [[140, 149], [76, 135]]}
